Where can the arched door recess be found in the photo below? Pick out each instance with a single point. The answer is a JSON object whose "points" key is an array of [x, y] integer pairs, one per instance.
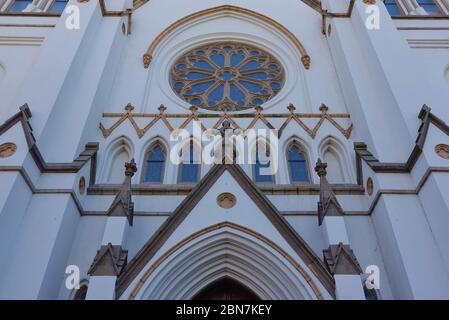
{"points": [[226, 289]]}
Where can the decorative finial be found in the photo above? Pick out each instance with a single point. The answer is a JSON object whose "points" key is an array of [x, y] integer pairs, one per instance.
{"points": [[129, 107], [162, 109], [291, 108], [323, 108], [131, 168], [193, 109], [226, 125], [258, 109], [320, 168], [147, 60], [306, 61]]}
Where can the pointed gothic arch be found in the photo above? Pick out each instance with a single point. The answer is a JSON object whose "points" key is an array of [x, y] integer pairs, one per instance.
{"points": [[119, 151], [332, 152], [148, 56], [308, 268], [225, 250], [154, 162], [298, 162]]}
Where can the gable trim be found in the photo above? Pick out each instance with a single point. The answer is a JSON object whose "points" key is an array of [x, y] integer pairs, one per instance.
{"points": [[153, 245]]}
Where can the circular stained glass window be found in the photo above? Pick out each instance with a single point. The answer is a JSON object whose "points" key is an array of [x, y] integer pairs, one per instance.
{"points": [[227, 76]]}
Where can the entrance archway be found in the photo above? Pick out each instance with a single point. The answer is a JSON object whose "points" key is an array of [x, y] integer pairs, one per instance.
{"points": [[225, 251]]}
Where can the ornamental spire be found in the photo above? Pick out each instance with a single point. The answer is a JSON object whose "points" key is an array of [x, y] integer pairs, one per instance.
{"points": [[123, 204], [328, 204]]}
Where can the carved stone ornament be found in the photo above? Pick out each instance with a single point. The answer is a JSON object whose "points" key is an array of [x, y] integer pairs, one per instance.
{"points": [[340, 259], [82, 185], [370, 186], [109, 261], [441, 150], [226, 200], [7, 149]]}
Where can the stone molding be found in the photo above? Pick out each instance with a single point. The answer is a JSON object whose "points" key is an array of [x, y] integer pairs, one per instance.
{"points": [[340, 260], [89, 153], [109, 261]]}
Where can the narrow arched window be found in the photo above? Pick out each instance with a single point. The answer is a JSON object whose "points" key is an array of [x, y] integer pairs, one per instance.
{"points": [[297, 164], [189, 171], [155, 164], [262, 165]]}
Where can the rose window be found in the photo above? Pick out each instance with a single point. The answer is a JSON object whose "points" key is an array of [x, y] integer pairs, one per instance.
{"points": [[227, 76]]}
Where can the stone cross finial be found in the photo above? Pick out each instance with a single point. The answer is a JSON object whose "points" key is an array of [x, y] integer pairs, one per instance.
{"points": [[162, 109], [291, 108], [324, 108], [226, 125], [131, 168], [328, 204], [320, 168]]}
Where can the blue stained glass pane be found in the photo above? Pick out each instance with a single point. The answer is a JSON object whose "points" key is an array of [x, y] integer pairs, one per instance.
{"points": [[242, 75], [257, 101], [237, 95], [203, 65], [259, 177], [189, 169], [236, 58], [251, 65], [19, 5], [217, 94], [157, 155], [299, 172], [258, 75], [226, 76], [58, 6], [154, 172], [430, 7], [155, 165], [392, 7], [202, 86], [196, 102], [298, 165], [189, 172], [196, 75], [218, 59], [252, 87], [295, 154]]}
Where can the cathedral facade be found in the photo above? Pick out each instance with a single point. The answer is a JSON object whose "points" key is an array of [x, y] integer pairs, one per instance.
{"points": [[181, 149]]}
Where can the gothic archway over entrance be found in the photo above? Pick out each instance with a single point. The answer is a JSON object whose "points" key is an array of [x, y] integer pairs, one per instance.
{"points": [[226, 289]]}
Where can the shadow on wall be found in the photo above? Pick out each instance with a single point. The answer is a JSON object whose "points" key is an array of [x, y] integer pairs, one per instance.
{"points": [[2, 72], [446, 74]]}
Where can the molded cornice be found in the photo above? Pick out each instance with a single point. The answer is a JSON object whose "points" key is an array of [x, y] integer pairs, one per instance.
{"points": [[89, 153]]}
